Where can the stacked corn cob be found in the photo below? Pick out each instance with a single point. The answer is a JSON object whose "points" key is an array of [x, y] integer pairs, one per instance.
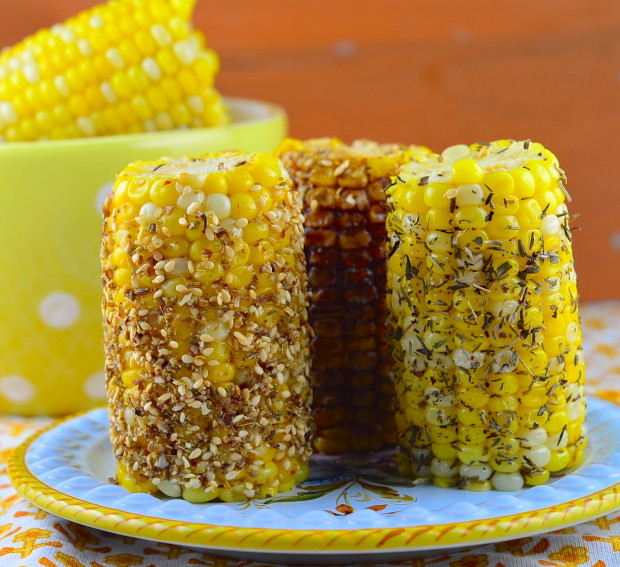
{"points": [[344, 206], [121, 67], [206, 335], [484, 324]]}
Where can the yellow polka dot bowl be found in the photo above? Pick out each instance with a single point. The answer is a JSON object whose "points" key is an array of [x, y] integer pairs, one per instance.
{"points": [[51, 354]]}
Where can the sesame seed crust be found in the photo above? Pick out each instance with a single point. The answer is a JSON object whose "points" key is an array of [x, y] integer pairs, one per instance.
{"points": [[207, 346]]}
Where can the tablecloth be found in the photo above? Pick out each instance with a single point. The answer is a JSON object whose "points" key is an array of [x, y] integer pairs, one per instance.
{"points": [[31, 537]]}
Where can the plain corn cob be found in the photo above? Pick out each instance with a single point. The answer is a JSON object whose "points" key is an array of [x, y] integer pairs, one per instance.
{"points": [[205, 327], [344, 207], [484, 326], [120, 67]]}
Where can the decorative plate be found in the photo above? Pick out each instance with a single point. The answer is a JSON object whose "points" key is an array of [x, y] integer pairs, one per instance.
{"points": [[349, 508]]}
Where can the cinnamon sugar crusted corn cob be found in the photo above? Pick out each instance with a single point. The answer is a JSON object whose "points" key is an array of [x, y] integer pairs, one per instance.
{"points": [[484, 323], [206, 334], [342, 188]]}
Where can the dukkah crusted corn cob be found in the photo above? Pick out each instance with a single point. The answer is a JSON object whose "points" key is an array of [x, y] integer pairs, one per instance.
{"points": [[205, 327], [483, 320], [344, 207], [120, 67]]}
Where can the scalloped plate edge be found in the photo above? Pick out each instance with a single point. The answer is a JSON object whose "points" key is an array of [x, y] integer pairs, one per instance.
{"points": [[234, 540]]}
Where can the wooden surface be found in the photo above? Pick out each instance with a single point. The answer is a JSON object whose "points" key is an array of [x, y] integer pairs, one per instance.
{"points": [[433, 73]]}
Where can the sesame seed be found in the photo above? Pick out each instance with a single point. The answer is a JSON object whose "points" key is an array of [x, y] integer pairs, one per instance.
{"points": [[158, 293], [158, 279], [238, 418], [193, 207], [187, 358], [169, 266], [241, 338], [259, 370], [221, 391], [205, 338], [195, 454], [208, 351]]}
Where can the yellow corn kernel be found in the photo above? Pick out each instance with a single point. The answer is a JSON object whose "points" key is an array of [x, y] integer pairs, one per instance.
{"points": [[239, 181], [466, 171], [122, 277], [172, 224], [243, 206], [471, 218], [500, 183], [434, 195], [265, 175], [234, 494], [131, 377], [200, 495], [223, 372], [303, 473], [439, 219], [266, 473], [219, 350], [239, 277], [204, 249], [130, 485], [256, 230], [175, 247], [211, 274], [524, 183], [263, 199], [536, 478], [261, 253], [216, 183], [241, 257]]}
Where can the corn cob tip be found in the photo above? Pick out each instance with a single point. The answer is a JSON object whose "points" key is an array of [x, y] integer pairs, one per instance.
{"points": [[483, 317], [121, 67], [344, 206], [205, 328]]}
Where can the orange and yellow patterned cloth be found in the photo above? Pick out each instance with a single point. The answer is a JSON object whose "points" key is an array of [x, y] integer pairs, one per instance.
{"points": [[30, 537]]}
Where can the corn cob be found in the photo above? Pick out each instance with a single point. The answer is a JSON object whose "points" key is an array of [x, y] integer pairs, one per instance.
{"points": [[205, 328], [120, 67], [483, 319], [344, 206]]}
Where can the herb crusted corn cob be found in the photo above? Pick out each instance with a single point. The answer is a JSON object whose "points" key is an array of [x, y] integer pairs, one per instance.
{"points": [[484, 324], [344, 206], [121, 67], [205, 326]]}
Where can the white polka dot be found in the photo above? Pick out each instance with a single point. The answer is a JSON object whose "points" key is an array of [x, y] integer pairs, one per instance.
{"points": [[102, 195], [95, 386], [16, 389], [60, 310]]}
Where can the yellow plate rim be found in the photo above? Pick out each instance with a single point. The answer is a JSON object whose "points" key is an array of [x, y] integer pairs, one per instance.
{"points": [[328, 541]]}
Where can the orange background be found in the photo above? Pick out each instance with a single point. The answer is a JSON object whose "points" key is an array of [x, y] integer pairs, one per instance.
{"points": [[433, 73]]}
